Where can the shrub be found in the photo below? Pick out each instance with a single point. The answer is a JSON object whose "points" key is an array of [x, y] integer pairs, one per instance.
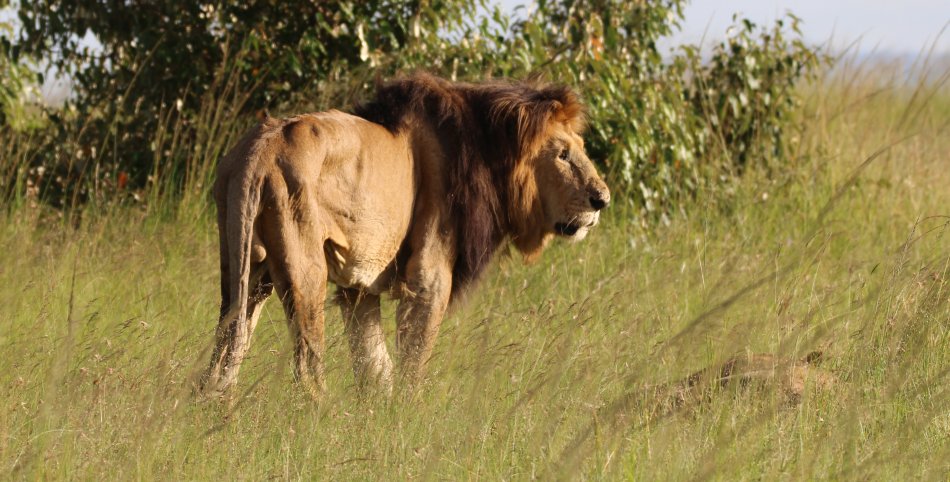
{"points": [[746, 91], [643, 130], [174, 84], [664, 126], [18, 86]]}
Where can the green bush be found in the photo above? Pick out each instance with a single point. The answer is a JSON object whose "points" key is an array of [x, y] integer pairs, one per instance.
{"points": [[642, 129], [18, 84], [174, 83], [161, 59], [745, 92], [665, 126]]}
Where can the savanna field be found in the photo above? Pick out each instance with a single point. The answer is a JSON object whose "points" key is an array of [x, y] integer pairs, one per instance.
{"points": [[766, 298], [561, 369]]}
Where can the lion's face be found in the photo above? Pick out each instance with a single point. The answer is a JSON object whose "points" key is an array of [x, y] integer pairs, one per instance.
{"points": [[570, 190]]}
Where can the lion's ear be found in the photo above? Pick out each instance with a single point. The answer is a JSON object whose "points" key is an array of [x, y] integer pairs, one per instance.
{"points": [[568, 111], [536, 77], [558, 112]]}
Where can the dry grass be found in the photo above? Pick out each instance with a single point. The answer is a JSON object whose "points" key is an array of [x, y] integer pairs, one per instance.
{"points": [[550, 370]]}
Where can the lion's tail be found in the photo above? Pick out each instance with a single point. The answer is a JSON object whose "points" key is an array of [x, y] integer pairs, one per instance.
{"points": [[244, 192]]}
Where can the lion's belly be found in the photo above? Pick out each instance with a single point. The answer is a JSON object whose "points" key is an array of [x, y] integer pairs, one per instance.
{"points": [[369, 270], [362, 245], [365, 196]]}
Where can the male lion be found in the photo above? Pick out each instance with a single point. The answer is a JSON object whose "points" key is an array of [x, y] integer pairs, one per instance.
{"points": [[412, 196]]}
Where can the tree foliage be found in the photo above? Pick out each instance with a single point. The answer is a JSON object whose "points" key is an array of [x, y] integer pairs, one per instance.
{"points": [[173, 82], [18, 83]]}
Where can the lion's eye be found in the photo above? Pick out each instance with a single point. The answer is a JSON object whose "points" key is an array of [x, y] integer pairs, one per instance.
{"points": [[563, 155]]}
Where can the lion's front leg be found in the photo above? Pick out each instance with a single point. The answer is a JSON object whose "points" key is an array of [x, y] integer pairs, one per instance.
{"points": [[419, 316], [371, 363]]}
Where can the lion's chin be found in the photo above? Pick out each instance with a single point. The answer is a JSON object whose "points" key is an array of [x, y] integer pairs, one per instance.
{"points": [[566, 229], [579, 235]]}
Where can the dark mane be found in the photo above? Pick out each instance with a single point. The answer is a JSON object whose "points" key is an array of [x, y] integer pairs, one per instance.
{"points": [[486, 130]]}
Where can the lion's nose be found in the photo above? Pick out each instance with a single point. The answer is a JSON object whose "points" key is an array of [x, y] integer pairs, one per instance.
{"points": [[599, 200]]}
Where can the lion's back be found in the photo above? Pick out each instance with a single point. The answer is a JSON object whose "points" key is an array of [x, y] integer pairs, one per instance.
{"points": [[302, 145]]}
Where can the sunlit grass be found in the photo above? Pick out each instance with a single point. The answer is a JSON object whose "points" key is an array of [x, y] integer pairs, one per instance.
{"points": [[550, 370]]}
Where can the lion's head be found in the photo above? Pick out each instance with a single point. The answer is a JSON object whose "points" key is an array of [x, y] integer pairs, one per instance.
{"points": [[517, 168], [557, 188], [570, 191]]}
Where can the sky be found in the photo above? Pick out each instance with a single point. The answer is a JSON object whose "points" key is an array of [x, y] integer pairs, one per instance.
{"points": [[886, 27], [889, 28], [899, 27]]}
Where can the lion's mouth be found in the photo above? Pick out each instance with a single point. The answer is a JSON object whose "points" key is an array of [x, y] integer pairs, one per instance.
{"points": [[570, 229], [566, 229]]}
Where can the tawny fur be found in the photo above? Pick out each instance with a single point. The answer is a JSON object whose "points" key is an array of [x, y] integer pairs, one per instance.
{"points": [[411, 198], [790, 378]]}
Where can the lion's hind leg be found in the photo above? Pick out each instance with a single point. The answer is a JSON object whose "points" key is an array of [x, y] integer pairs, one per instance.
{"points": [[372, 365], [300, 279], [301, 287], [229, 350]]}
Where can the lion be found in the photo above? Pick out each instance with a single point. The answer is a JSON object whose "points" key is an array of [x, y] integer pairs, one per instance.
{"points": [[789, 377], [409, 196]]}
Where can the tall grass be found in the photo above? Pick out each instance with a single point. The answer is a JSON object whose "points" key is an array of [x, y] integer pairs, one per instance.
{"points": [[550, 370]]}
